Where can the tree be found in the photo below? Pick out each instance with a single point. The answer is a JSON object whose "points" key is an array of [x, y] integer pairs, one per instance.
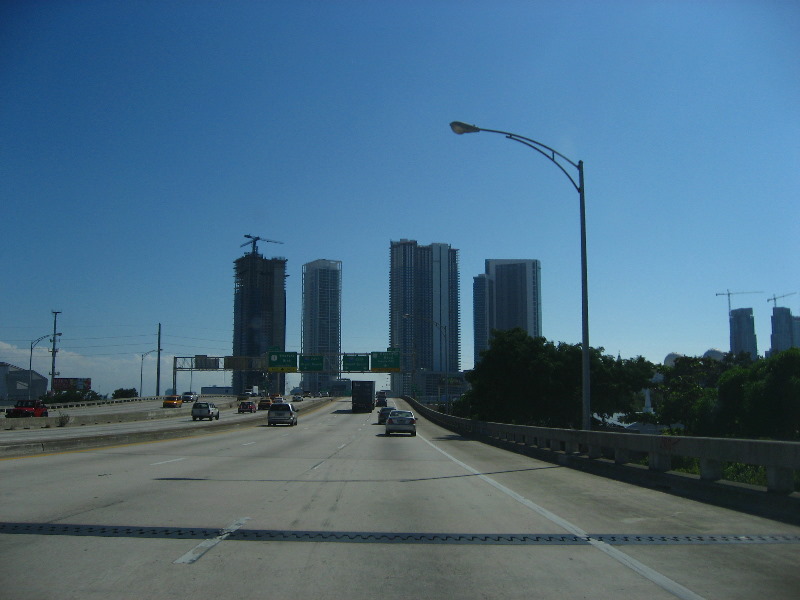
{"points": [[762, 400], [73, 396], [733, 397], [618, 384], [531, 381], [124, 393]]}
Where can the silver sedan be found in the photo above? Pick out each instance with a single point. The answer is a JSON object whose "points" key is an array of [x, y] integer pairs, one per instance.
{"points": [[401, 421]]}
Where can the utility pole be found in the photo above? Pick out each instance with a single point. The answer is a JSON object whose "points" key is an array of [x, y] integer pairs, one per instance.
{"points": [[158, 364], [53, 372]]}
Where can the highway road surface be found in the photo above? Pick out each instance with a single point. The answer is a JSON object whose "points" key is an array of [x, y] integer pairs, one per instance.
{"points": [[333, 509]]}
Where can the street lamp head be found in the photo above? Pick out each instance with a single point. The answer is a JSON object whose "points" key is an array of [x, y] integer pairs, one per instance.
{"points": [[459, 128]]}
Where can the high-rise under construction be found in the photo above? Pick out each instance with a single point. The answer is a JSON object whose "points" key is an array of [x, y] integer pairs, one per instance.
{"points": [[259, 317]]}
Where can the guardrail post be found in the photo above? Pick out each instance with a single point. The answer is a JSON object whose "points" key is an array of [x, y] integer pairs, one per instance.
{"points": [[780, 480], [658, 461], [710, 469], [620, 456], [571, 446]]}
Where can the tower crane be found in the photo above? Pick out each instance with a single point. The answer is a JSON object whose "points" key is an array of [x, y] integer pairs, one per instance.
{"points": [[775, 298], [254, 239], [730, 293]]}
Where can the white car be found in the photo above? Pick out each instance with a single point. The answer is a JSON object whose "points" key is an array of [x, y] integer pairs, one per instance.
{"points": [[401, 421]]}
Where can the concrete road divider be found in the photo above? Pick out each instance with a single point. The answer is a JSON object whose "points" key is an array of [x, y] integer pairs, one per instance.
{"points": [[79, 441]]}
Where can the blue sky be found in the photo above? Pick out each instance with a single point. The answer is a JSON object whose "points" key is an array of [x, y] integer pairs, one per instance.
{"points": [[139, 142]]}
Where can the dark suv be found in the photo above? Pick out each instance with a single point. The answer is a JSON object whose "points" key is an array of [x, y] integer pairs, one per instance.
{"points": [[383, 414]]}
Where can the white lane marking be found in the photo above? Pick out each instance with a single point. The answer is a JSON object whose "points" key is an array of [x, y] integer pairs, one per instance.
{"points": [[198, 551], [248, 443], [662, 581], [163, 462]]}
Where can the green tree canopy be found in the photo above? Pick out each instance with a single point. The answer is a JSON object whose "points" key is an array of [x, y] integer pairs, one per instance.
{"points": [[735, 397], [72, 396], [532, 381]]}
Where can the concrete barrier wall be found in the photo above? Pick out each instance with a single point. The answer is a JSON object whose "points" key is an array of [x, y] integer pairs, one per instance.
{"points": [[780, 459], [92, 403], [59, 415], [79, 442], [60, 406]]}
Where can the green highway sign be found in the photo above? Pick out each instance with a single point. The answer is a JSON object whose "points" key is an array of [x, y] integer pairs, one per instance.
{"points": [[310, 362], [282, 362], [355, 362], [385, 362]]}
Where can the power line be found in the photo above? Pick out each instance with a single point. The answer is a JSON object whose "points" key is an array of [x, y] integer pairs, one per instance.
{"points": [[178, 337]]}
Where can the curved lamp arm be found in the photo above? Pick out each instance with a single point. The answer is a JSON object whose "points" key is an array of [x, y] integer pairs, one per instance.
{"points": [[546, 151]]}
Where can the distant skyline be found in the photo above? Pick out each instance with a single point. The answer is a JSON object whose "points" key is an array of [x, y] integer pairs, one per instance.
{"points": [[142, 141]]}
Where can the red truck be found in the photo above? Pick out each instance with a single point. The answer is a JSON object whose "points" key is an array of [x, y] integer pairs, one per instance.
{"points": [[27, 408]]}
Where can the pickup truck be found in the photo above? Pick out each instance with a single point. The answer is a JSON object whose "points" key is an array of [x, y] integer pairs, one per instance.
{"points": [[27, 408]]}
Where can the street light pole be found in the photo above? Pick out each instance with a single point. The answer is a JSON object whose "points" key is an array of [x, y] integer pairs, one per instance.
{"points": [[30, 363], [54, 350], [141, 371], [559, 160]]}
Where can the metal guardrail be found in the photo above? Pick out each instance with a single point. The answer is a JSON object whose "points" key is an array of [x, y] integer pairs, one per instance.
{"points": [[780, 459]]}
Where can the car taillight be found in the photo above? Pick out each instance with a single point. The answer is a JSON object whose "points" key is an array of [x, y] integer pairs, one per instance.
{"points": [[389, 421], [413, 421]]}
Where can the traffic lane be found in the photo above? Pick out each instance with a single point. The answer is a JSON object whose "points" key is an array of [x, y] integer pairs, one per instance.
{"points": [[342, 494], [602, 506], [148, 473], [101, 568]]}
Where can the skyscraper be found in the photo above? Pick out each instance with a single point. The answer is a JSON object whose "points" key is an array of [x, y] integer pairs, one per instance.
{"points": [[508, 295], [322, 320], [782, 337], [482, 297], [743, 332], [259, 317], [424, 315]]}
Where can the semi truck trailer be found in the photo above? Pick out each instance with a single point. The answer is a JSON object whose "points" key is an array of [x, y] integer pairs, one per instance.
{"points": [[363, 396]]}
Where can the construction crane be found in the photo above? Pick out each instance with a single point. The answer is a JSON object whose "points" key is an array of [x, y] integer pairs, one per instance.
{"points": [[775, 298], [254, 239], [730, 293]]}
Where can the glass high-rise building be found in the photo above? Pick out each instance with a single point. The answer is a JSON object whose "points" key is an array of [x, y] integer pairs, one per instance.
{"points": [[424, 316], [507, 296], [259, 318], [782, 337], [321, 331], [743, 332]]}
